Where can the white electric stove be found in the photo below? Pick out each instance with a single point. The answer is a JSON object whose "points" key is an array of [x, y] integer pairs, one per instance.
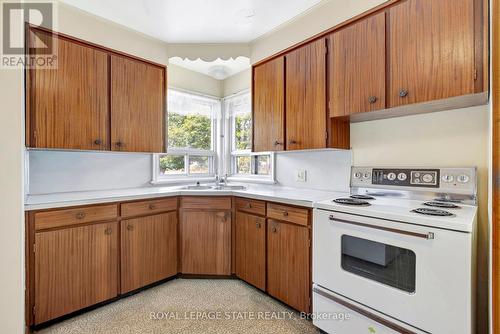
{"points": [[398, 255]]}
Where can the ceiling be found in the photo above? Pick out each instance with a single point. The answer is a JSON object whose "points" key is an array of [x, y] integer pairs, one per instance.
{"points": [[198, 21], [218, 69]]}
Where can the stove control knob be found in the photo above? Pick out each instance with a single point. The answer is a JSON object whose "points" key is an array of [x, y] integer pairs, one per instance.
{"points": [[427, 178], [366, 175], [357, 175], [391, 176], [402, 176], [463, 178], [447, 178]]}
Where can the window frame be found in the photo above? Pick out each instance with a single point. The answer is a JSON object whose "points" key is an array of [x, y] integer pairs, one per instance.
{"points": [[158, 178]]}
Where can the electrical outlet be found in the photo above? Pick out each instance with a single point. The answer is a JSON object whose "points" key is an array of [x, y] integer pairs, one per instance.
{"points": [[300, 175]]}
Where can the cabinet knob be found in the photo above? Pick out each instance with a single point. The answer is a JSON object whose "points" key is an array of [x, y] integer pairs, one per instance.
{"points": [[152, 206], [277, 142], [130, 227], [119, 144], [108, 231], [257, 224], [293, 142], [403, 93], [285, 213], [80, 215], [249, 205], [372, 99], [224, 218], [98, 142], [274, 229]]}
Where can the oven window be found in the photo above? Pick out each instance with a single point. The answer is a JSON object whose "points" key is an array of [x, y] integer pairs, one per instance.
{"points": [[386, 264]]}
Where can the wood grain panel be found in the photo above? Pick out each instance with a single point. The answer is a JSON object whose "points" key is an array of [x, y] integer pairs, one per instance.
{"points": [[148, 250], [431, 50], [148, 207], [269, 106], [250, 205], [288, 213], [68, 107], [200, 202], [357, 67], [288, 264], [206, 242], [137, 106], [75, 268], [250, 252], [306, 97], [73, 216]]}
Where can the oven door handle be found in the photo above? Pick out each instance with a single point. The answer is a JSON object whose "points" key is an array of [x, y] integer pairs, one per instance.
{"points": [[363, 312], [428, 235]]}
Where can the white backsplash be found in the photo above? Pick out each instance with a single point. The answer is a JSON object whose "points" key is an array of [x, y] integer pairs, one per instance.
{"points": [[64, 171]]}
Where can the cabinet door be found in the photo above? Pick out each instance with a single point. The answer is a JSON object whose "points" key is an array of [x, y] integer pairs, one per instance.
{"points": [[148, 250], [306, 97], [269, 106], [74, 268], [431, 50], [250, 243], [288, 264], [357, 67], [68, 107], [206, 242], [137, 106]]}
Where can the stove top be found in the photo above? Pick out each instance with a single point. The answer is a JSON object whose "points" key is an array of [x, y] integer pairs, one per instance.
{"points": [[356, 196], [351, 201]]}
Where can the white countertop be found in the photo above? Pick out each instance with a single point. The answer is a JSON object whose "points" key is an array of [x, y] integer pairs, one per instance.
{"points": [[287, 195]]}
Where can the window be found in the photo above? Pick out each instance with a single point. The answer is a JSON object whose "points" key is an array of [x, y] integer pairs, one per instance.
{"points": [[242, 163], [192, 132]]}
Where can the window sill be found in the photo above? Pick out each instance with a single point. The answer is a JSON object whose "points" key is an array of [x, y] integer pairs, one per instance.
{"points": [[250, 180], [183, 180]]}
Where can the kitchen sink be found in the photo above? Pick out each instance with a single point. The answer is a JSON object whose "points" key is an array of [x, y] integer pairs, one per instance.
{"points": [[229, 187], [198, 187], [209, 187]]}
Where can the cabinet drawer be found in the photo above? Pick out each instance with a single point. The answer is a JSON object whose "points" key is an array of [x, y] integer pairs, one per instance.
{"points": [[216, 203], [64, 217], [149, 207], [250, 206], [288, 213]]}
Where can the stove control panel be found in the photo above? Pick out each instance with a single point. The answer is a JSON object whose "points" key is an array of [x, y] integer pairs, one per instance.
{"points": [[456, 180]]}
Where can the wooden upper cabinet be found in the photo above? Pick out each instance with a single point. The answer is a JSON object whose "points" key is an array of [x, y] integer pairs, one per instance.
{"points": [[306, 97], [357, 67], [74, 268], [68, 107], [269, 106], [431, 50], [148, 250], [206, 242], [137, 106]]}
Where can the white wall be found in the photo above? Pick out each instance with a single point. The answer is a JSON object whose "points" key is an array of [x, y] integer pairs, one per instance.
{"points": [[179, 77], [237, 83]]}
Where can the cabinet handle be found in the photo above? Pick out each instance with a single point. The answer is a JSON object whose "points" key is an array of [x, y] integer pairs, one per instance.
{"points": [[274, 229], [293, 142], [285, 213], [80, 215], [276, 143], [372, 99], [108, 231], [257, 224], [98, 142], [119, 144], [249, 205], [403, 93], [152, 206], [130, 227], [224, 219]]}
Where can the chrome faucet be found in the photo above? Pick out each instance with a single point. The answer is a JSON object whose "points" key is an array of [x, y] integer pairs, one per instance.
{"points": [[220, 181]]}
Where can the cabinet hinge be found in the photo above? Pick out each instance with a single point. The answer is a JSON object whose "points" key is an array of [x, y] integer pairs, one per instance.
{"points": [[475, 74], [326, 135], [309, 243], [33, 310]]}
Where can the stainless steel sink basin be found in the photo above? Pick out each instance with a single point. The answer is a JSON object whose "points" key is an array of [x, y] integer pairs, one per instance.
{"points": [[229, 187], [197, 187]]}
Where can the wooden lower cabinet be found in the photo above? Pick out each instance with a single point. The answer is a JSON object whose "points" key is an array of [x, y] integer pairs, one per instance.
{"points": [[250, 252], [148, 250], [74, 268], [288, 264], [206, 242]]}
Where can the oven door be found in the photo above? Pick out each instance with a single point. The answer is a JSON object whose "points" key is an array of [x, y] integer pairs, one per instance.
{"points": [[416, 274]]}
